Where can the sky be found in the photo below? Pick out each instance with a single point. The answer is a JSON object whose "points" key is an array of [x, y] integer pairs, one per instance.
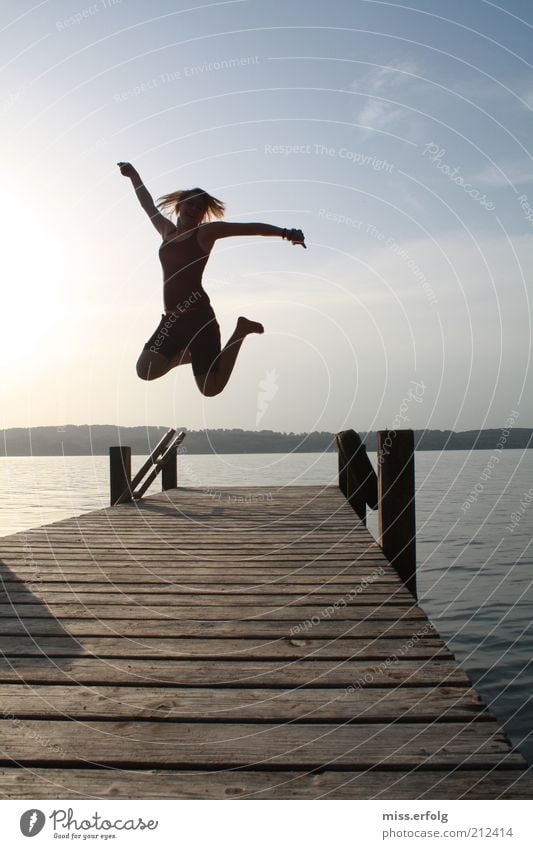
{"points": [[397, 136]]}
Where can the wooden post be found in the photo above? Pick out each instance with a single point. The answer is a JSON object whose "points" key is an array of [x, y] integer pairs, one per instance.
{"points": [[169, 471], [119, 471], [354, 494], [343, 472], [357, 478], [396, 496]]}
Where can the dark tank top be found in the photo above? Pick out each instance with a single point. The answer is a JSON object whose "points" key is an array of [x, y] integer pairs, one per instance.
{"points": [[183, 265]]}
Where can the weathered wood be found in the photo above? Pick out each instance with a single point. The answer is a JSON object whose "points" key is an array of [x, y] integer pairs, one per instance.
{"points": [[114, 548], [343, 472], [155, 454], [396, 484], [285, 560], [291, 583], [169, 469], [197, 632], [396, 595], [119, 471], [222, 611], [159, 463], [406, 704], [50, 783], [171, 648], [242, 673], [403, 629], [145, 744], [200, 582], [357, 478]]}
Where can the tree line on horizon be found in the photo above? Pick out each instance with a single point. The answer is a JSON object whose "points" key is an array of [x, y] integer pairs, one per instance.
{"points": [[75, 440]]}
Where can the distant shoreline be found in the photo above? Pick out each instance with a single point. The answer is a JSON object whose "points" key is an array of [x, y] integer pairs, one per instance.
{"points": [[94, 440]]}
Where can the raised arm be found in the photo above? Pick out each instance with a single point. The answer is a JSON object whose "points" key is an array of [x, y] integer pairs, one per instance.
{"points": [[162, 224], [222, 229]]}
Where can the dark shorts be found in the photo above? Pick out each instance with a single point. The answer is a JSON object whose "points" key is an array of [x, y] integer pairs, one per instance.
{"points": [[196, 330]]}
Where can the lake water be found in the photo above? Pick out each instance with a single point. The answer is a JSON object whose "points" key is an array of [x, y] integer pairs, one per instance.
{"points": [[474, 562]]}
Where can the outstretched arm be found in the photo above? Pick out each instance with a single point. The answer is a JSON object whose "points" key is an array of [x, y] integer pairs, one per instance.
{"points": [[222, 229], [162, 224]]}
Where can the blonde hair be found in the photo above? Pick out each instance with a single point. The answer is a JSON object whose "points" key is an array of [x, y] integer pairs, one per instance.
{"points": [[214, 208]]}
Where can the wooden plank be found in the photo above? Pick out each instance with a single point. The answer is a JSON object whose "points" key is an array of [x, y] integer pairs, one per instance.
{"points": [[247, 534], [157, 583], [360, 587], [166, 541], [150, 559], [404, 630], [247, 537], [100, 532], [97, 530], [195, 553], [104, 536], [354, 556], [324, 521], [197, 611], [50, 783], [299, 673], [250, 536], [320, 527], [172, 597], [452, 745], [167, 648], [307, 571], [108, 538], [153, 555], [188, 571], [325, 524], [173, 703], [276, 542]]}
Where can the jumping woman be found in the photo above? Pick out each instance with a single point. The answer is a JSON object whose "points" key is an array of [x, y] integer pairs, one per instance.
{"points": [[188, 331]]}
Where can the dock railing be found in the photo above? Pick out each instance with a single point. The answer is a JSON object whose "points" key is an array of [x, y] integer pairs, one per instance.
{"points": [[391, 492], [162, 459]]}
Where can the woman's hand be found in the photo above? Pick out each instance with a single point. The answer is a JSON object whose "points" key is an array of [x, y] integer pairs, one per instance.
{"points": [[295, 237], [163, 226], [127, 169]]}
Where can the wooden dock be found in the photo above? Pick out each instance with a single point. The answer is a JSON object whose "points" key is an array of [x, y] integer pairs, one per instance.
{"points": [[237, 643]]}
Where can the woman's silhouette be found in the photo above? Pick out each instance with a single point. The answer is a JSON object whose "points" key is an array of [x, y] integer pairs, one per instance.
{"points": [[188, 331]]}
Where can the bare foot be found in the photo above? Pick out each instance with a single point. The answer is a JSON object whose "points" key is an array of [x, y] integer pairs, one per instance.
{"points": [[245, 326]]}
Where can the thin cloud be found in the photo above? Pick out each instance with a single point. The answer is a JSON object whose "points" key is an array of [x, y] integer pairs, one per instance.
{"points": [[378, 114], [528, 97], [505, 174], [384, 82], [385, 79]]}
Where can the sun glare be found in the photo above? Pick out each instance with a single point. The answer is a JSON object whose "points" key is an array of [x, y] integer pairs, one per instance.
{"points": [[32, 267]]}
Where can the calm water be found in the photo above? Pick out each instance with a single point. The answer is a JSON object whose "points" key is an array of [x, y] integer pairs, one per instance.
{"points": [[475, 564]]}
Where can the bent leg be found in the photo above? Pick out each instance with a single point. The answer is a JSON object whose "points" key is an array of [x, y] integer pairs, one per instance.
{"points": [[151, 365], [215, 380], [182, 358]]}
